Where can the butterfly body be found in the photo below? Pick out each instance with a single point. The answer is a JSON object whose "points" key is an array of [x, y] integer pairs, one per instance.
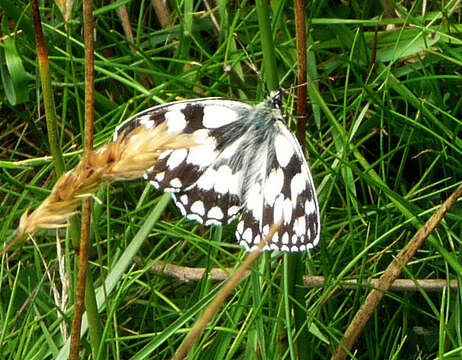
{"points": [[247, 163]]}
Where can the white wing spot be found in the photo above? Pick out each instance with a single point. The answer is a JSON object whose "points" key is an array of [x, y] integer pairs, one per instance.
{"points": [[240, 227], [155, 184], [223, 175], [275, 238], [297, 185], [176, 158], [160, 176], [287, 211], [216, 116], [198, 207], [215, 213], [278, 209], [176, 183], [184, 199], [254, 201], [265, 230], [294, 239], [245, 245], [201, 135], [294, 248], [252, 249], [227, 182], [175, 119], [212, 222], [315, 242], [181, 207], [247, 235], [233, 210], [202, 155], [235, 183], [300, 226], [273, 185], [310, 207], [284, 248], [207, 179], [285, 238], [194, 217], [284, 150], [146, 121], [164, 154]]}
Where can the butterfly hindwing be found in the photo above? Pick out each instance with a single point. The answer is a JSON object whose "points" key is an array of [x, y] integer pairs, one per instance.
{"points": [[207, 207], [204, 183], [284, 195]]}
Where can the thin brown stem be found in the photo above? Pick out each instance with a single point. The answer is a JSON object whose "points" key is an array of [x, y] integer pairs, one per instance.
{"points": [[302, 109], [86, 207], [434, 285], [187, 274], [162, 12], [221, 297]]}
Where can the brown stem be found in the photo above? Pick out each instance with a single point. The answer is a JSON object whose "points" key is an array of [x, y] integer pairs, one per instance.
{"points": [[162, 12], [436, 285], [86, 206], [221, 297], [81, 278], [186, 274], [302, 109]]}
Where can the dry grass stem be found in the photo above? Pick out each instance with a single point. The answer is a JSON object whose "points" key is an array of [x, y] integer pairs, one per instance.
{"points": [[188, 274], [65, 6], [434, 285], [127, 158], [389, 276], [213, 307], [162, 12]]}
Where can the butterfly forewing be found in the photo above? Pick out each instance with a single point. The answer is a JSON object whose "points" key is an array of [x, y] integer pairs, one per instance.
{"points": [[247, 163]]}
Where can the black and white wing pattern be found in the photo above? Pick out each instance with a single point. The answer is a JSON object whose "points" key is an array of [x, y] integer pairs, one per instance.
{"points": [[247, 164]]}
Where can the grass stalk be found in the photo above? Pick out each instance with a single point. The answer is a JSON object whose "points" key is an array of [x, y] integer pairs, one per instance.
{"points": [[302, 108], [266, 37], [221, 296], [85, 234], [47, 91]]}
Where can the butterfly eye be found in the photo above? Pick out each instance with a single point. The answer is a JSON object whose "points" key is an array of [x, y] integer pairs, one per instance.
{"points": [[275, 99]]}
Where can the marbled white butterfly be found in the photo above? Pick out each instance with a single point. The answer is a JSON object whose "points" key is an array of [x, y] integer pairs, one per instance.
{"points": [[247, 164]]}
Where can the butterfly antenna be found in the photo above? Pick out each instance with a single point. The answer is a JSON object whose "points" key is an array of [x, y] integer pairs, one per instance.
{"points": [[249, 61]]}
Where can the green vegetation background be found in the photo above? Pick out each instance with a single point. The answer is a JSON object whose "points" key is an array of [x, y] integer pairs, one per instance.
{"points": [[384, 147]]}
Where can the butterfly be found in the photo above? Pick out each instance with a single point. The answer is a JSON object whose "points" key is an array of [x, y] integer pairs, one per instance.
{"points": [[246, 164]]}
